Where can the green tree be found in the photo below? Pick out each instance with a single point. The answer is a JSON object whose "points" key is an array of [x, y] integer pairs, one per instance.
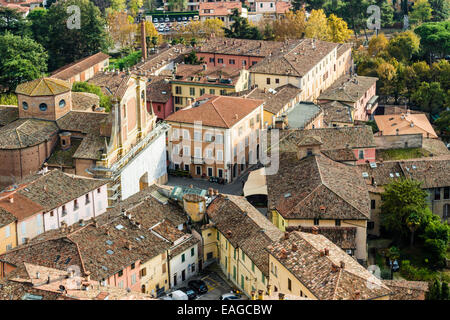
{"points": [[441, 9], [192, 58], [177, 5], [403, 46], [436, 236], [399, 199], [66, 45], [105, 101], [297, 4], [13, 22], [241, 28], [38, 25], [434, 38], [434, 291], [355, 13], [117, 5], [421, 11], [443, 124], [22, 59], [134, 6], [429, 97]]}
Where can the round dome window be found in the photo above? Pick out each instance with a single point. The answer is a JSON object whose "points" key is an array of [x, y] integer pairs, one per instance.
{"points": [[62, 103], [25, 105], [43, 107]]}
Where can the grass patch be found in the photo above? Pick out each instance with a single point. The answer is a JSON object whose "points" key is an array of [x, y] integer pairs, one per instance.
{"points": [[64, 157], [400, 154]]}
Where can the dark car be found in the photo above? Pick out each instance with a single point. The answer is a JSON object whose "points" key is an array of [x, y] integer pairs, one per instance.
{"points": [[190, 293], [198, 286]]}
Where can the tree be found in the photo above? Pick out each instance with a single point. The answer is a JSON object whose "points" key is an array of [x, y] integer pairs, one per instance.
{"points": [[38, 26], [121, 28], [377, 44], [66, 45], [399, 199], [315, 4], [241, 28], [443, 124], [441, 9], [429, 97], [413, 222], [292, 26], [202, 29], [387, 12], [150, 5], [421, 12], [403, 46], [436, 236], [192, 58], [105, 101], [117, 5], [22, 59], [355, 13], [434, 38], [297, 4], [134, 6], [337, 29], [12, 21], [177, 5], [317, 25]]}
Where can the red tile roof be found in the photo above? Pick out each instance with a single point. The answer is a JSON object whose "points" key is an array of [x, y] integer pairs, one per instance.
{"points": [[68, 71], [219, 8], [218, 111]]}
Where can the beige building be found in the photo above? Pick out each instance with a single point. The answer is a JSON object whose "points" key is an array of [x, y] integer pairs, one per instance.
{"points": [[236, 236], [192, 81], [328, 273], [217, 136], [308, 64]]}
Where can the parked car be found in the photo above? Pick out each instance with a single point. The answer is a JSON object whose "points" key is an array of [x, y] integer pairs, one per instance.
{"points": [[198, 286], [161, 29], [190, 293], [230, 296], [184, 18], [156, 25], [179, 19], [167, 20], [196, 18], [167, 29], [155, 20], [178, 295]]}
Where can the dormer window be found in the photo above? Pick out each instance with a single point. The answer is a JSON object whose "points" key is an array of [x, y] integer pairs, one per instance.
{"points": [[62, 103], [25, 105], [43, 107]]}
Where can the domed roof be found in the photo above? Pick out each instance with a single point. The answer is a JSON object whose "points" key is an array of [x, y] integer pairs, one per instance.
{"points": [[44, 87]]}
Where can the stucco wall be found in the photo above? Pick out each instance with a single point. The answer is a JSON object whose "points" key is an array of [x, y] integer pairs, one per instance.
{"points": [[400, 141]]}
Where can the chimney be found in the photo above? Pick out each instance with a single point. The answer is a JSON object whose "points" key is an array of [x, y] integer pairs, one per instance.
{"points": [[143, 40], [322, 253], [210, 192], [315, 230], [11, 199], [334, 268], [229, 233], [64, 138], [260, 295], [327, 251], [286, 235], [342, 265], [283, 254], [216, 192], [48, 279], [294, 247], [281, 296], [253, 293], [357, 294], [322, 209]]}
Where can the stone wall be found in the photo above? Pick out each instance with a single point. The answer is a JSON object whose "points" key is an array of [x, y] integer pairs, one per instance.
{"points": [[399, 141]]}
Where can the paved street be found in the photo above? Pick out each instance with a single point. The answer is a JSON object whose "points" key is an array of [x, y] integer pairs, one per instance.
{"points": [[235, 187]]}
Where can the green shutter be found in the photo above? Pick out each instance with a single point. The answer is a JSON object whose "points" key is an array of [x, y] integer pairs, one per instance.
{"points": [[242, 281], [234, 273], [253, 267]]}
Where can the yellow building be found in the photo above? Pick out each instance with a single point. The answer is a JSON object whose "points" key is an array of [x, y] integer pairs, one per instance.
{"points": [[154, 275], [240, 236], [327, 272], [8, 237], [193, 81]]}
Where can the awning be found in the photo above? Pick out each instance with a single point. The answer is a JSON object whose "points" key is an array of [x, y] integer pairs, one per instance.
{"points": [[256, 183]]}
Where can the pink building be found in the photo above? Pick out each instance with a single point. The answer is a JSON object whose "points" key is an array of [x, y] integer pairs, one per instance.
{"points": [[159, 97]]}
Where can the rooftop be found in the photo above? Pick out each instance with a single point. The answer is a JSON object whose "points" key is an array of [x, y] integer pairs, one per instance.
{"points": [[317, 187], [336, 111], [348, 88], [68, 71], [217, 111], [218, 8], [43, 87], [241, 47], [297, 59], [158, 89], [275, 100], [405, 123], [212, 75], [332, 276], [112, 83], [302, 114], [245, 227]]}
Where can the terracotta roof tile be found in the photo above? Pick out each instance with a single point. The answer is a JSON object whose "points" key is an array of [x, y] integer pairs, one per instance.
{"points": [[68, 71], [24, 133], [275, 102], [218, 111], [407, 290], [219, 8], [405, 123]]}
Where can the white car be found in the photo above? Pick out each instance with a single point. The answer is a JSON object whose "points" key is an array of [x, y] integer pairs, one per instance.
{"points": [[178, 295], [161, 29], [167, 20], [167, 29]]}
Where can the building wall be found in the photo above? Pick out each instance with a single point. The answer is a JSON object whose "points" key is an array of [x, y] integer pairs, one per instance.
{"points": [[156, 276], [126, 279], [150, 161], [53, 112], [8, 237], [369, 154], [82, 165], [30, 227], [212, 59], [162, 110], [399, 141], [189, 266], [98, 202], [437, 206], [19, 163], [361, 229], [210, 245], [89, 73], [279, 277], [265, 7]]}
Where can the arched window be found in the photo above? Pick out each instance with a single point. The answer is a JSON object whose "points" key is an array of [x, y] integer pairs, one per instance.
{"points": [[62, 103], [25, 105], [43, 107]]}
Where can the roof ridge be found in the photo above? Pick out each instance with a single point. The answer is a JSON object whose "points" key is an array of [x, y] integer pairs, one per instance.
{"points": [[217, 111], [35, 87]]}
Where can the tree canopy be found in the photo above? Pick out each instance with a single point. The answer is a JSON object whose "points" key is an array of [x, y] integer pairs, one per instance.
{"points": [[241, 28]]}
